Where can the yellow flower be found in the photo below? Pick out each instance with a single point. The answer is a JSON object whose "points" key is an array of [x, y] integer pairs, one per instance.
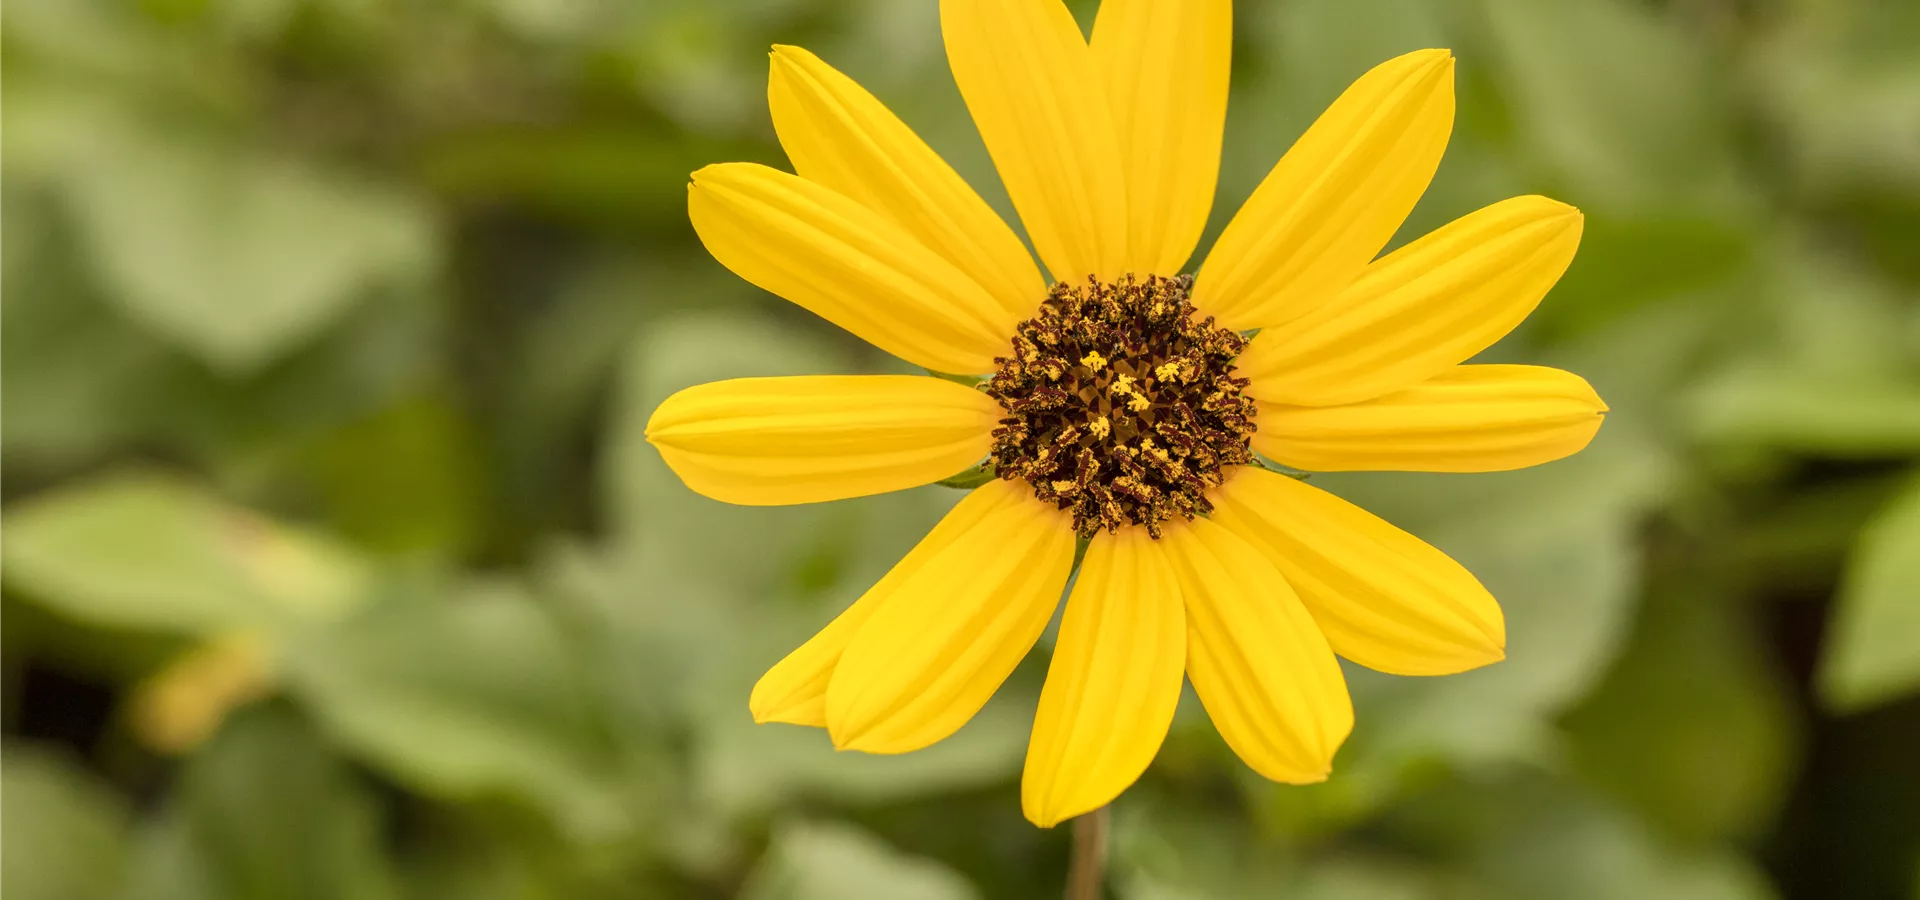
{"points": [[1201, 562]]}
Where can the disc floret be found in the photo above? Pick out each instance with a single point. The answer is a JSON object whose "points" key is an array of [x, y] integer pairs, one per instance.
{"points": [[1121, 407]]}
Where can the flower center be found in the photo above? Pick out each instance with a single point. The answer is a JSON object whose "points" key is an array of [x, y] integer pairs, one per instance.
{"points": [[1120, 406]]}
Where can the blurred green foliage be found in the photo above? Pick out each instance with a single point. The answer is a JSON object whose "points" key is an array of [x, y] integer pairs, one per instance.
{"points": [[333, 326]]}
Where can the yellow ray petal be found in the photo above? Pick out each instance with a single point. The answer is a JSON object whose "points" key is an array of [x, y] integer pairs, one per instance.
{"points": [[1466, 419], [848, 265], [949, 632], [795, 689], [1335, 198], [805, 439], [1028, 80], [1114, 681], [1421, 309], [1165, 66], [1256, 658], [1384, 598], [838, 135]]}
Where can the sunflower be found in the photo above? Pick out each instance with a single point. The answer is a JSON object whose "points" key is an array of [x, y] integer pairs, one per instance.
{"points": [[1123, 408]]}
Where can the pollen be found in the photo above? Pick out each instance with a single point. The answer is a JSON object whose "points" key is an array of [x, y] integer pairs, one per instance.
{"points": [[1145, 424]]}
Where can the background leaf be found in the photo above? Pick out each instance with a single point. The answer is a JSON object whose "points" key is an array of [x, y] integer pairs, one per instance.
{"points": [[264, 812], [1870, 657], [149, 551], [67, 832], [466, 695], [824, 862], [237, 258]]}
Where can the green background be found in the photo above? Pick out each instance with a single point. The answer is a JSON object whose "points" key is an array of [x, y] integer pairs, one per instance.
{"points": [[336, 323]]}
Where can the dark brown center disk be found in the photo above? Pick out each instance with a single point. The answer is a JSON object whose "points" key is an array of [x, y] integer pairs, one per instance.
{"points": [[1120, 406]]}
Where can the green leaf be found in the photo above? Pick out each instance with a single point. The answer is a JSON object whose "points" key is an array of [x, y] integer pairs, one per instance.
{"points": [[1627, 263], [1171, 847], [1838, 82], [467, 694], [1871, 655], [1693, 727], [1773, 406], [403, 480], [65, 835], [811, 861], [75, 378], [1166, 847], [265, 813], [1828, 371], [742, 767], [234, 255], [1612, 94], [1530, 840], [142, 550]]}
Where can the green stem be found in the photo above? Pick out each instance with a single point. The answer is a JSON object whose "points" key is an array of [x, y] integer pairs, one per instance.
{"points": [[971, 478], [1088, 867]]}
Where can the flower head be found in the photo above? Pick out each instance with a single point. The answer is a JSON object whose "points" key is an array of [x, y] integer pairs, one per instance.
{"points": [[1124, 403]]}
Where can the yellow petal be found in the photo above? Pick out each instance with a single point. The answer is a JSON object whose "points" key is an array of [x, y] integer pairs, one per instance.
{"points": [[848, 265], [1419, 310], [1384, 598], [838, 135], [1114, 681], [1028, 79], [805, 439], [1256, 658], [1334, 199], [795, 689], [945, 637], [1466, 419], [1164, 66]]}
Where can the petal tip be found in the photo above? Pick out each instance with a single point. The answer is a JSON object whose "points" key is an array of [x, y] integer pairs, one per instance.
{"points": [[1540, 208], [761, 705], [862, 743], [844, 736], [1038, 813], [788, 55]]}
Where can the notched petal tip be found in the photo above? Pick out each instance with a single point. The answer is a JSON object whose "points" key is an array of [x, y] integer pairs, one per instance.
{"points": [[1332, 202], [1307, 778], [1469, 655], [789, 58], [865, 738], [1558, 216], [765, 708]]}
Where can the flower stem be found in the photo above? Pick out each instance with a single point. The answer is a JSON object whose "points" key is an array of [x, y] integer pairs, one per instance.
{"points": [[1089, 856]]}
